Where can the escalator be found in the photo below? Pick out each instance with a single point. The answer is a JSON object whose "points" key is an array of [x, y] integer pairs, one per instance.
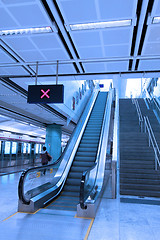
{"points": [[83, 156]]}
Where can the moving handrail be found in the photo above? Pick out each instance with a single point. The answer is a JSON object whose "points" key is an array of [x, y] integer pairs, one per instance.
{"points": [[57, 182], [92, 179], [140, 117], [152, 140]]}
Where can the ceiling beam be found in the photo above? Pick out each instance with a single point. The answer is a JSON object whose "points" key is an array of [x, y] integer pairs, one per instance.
{"points": [[139, 30], [89, 60], [62, 29], [95, 75]]}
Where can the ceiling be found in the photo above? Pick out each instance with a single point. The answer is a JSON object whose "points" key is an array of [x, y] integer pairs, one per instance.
{"points": [[83, 54]]}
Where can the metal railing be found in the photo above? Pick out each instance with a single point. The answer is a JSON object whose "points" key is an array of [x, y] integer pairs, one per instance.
{"points": [[156, 104], [152, 140], [147, 128], [140, 117]]}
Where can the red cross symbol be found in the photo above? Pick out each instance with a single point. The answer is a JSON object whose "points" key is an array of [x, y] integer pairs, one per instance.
{"points": [[45, 93]]}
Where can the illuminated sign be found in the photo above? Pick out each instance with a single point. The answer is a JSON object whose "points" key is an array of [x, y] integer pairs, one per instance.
{"points": [[45, 94]]}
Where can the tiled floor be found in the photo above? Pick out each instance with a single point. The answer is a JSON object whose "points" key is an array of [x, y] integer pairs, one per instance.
{"points": [[115, 220]]}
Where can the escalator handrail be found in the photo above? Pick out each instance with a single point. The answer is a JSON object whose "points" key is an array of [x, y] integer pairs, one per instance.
{"points": [[24, 173], [82, 184], [23, 176]]}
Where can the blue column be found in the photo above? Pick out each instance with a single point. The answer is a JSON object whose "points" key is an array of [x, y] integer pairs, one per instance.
{"points": [[53, 140]]}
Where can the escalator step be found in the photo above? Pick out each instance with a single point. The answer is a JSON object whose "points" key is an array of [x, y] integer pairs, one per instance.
{"points": [[70, 188], [68, 193], [75, 175], [90, 154], [86, 149], [73, 182], [79, 169], [88, 145], [84, 158], [82, 164]]}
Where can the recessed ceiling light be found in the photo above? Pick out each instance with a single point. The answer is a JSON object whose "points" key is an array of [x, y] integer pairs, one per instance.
{"points": [[21, 31], [156, 20], [98, 25]]}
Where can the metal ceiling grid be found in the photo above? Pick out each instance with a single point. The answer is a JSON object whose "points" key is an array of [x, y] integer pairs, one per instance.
{"points": [[151, 46], [32, 48], [105, 42]]}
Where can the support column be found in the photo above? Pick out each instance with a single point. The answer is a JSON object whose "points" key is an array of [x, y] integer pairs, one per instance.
{"points": [[53, 140], [120, 84]]}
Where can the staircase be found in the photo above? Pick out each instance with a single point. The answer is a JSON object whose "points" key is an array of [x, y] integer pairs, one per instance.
{"points": [[84, 158], [137, 174]]}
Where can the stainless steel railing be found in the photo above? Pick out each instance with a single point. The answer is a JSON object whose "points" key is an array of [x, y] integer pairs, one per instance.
{"points": [[156, 104], [144, 121], [152, 141], [140, 117]]}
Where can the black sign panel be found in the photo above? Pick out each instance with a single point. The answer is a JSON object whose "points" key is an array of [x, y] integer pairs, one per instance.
{"points": [[45, 94]]}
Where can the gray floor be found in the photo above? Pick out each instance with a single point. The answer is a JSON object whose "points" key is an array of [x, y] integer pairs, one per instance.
{"points": [[115, 220]]}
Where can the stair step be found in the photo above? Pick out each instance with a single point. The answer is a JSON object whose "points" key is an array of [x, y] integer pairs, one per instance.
{"points": [[139, 181], [142, 193], [135, 175], [136, 166]]}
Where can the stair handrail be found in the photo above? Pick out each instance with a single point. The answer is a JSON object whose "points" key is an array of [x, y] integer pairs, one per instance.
{"points": [[152, 140], [155, 102], [140, 116], [96, 164]]}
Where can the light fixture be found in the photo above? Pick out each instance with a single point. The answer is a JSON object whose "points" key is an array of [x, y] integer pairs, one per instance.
{"points": [[21, 31], [99, 25], [156, 20]]}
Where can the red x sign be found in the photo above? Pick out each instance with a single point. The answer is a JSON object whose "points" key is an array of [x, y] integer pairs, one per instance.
{"points": [[45, 93]]}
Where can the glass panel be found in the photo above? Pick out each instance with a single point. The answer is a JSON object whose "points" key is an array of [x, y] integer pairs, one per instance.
{"points": [[24, 147], [14, 147], [89, 183], [7, 147], [37, 181], [29, 148], [37, 148]]}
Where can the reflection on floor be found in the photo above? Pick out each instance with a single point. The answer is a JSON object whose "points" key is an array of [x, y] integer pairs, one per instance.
{"points": [[115, 220], [16, 169]]}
